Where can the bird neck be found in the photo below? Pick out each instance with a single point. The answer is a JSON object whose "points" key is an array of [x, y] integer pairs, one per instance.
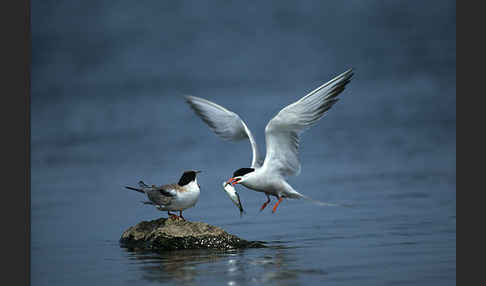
{"points": [[192, 186]]}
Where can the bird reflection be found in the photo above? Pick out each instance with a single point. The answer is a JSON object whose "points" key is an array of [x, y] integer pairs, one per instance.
{"points": [[179, 266], [274, 265], [280, 266], [277, 268]]}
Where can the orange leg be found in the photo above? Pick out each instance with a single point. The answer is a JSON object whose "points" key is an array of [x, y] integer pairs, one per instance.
{"points": [[276, 205], [265, 203], [171, 215]]}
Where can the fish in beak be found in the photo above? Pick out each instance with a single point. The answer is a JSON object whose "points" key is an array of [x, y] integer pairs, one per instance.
{"points": [[234, 196], [233, 181]]}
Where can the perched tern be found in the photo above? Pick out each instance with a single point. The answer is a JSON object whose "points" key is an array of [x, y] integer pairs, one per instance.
{"points": [[281, 136], [172, 197]]}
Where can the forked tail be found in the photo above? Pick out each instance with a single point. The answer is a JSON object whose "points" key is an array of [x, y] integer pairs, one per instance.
{"points": [[291, 193], [324, 204], [141, 185], [135, 189]]}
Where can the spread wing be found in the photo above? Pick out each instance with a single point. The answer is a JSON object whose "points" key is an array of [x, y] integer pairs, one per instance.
{"points": [[282, 131], [226, 124]]}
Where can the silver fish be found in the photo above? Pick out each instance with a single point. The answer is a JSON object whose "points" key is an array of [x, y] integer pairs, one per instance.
{"points": [[234, 196]]}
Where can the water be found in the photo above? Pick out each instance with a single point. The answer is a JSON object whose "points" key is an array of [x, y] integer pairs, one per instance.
{"points": [[107, 111], [394, 165]]}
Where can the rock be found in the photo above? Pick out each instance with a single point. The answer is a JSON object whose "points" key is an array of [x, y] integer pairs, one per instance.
{"points": [[173, 233]]}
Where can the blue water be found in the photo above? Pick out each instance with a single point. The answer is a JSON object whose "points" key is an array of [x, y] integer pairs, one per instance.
{"points": [[389, 152]]}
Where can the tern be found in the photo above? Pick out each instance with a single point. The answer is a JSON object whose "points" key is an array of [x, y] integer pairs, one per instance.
{"points": [[172, 197], [281, 136]]}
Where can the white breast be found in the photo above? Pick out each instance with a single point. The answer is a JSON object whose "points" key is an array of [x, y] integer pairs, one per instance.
{"points": [[187, 198]]}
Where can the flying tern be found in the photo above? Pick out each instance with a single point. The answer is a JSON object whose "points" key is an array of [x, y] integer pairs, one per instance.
{"points": [[281, 136]]}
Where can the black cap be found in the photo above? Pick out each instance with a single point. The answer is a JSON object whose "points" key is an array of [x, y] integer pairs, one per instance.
{"points": [[242, 172], [187, 177]]}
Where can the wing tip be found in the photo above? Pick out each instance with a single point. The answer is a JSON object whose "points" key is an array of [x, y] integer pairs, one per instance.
{"points": [[347, 74], [189, 98], [351, 69], [340, 82]]}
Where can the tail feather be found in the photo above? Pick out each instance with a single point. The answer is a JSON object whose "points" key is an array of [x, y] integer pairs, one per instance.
{"points": [[296, 195], [135, 189], [324, 203], [141, 184]]}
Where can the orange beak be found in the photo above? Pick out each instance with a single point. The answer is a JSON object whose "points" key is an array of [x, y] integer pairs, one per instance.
{"points": [[232, 181]]}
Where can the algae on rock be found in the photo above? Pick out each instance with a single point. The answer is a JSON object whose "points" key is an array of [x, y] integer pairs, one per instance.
{"points": [[173, 233]]}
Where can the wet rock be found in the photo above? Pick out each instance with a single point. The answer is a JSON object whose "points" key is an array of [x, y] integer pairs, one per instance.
{"points": [[173, 233]]}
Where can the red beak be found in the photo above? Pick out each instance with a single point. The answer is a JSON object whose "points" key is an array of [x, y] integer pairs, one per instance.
{"points": [[232, 181]]}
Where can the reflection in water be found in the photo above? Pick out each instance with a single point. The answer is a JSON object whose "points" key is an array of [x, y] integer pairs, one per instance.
{"points": [[173, 266], [276, 268], [281, 267], [274, 265]]}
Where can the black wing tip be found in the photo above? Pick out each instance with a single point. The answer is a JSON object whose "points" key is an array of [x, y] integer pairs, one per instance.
{"points": [[188, 99], [347, 75], [193, 105], [192, 101], [342, 80], [349, 71]]}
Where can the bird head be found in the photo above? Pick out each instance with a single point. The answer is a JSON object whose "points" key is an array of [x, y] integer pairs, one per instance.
{"points": [[239, 176], [187, 177]]}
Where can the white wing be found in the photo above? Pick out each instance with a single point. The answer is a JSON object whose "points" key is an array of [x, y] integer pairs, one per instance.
{"points": [[226, 124], [282, 132]]}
